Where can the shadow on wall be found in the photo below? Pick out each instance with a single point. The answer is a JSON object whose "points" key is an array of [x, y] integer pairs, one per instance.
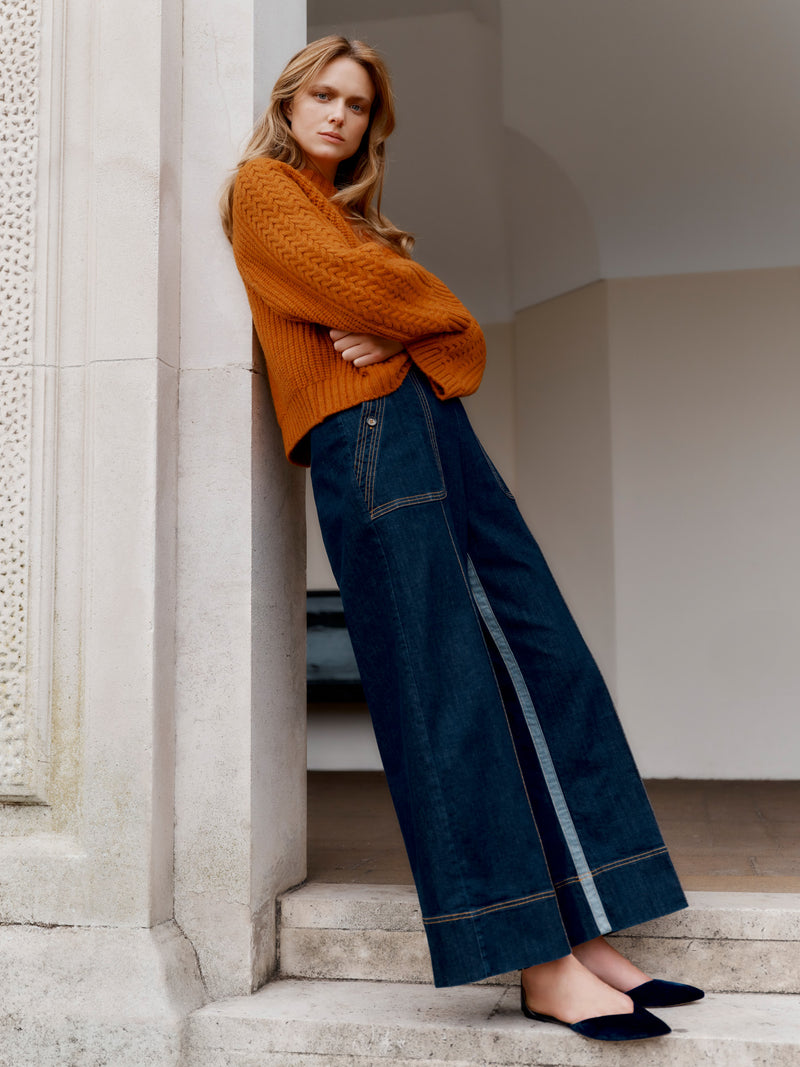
{"points": [[552, 244]]}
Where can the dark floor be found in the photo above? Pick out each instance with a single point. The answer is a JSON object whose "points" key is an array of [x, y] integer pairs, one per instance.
{"points": [[734, 836]]}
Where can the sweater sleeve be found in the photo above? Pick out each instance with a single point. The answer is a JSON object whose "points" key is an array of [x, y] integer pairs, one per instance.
{"points": [[303, 266]]}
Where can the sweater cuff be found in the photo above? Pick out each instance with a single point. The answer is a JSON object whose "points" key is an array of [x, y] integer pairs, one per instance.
{"points": [[454, 363]]}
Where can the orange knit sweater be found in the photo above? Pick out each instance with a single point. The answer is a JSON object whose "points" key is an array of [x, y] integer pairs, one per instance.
{"points": [[306, 271]]}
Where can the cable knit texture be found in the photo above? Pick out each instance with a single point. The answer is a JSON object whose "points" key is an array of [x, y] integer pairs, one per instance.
{"points": [[306, 271]]}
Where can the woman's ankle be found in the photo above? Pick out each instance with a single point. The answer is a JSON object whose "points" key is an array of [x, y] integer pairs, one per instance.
{"points": [[567, 990], [608, 964]]}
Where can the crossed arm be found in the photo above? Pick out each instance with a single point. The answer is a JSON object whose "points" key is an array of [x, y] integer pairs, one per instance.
{"points": [[297, 257], [361, 349]]}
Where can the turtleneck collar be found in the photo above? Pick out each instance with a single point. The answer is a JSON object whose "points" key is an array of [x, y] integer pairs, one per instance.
{"points": [[319, 180]]}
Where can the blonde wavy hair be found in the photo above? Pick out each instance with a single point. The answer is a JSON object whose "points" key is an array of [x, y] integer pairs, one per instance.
{"points": [[360, 178]]}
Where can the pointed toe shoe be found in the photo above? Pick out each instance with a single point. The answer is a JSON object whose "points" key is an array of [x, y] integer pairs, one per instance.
{"points": [[659, 994], [633, 1026]]}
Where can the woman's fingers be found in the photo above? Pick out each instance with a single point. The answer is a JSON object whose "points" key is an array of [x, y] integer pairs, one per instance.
{"points": [[361, 349], [373, 357], [347, 343], [353, 346]]}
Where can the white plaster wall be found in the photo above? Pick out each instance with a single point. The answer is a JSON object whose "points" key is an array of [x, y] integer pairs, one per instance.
{"points": [[551, 232], [563, 445], [705, 391], [674, 122], [657, 466], [622, 139]]}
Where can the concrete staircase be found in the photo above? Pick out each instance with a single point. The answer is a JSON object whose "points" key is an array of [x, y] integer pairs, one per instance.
{"points": [[354, 992]]}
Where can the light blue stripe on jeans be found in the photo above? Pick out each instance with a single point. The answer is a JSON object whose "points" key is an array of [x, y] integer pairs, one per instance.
{"points": [[542, 751]]}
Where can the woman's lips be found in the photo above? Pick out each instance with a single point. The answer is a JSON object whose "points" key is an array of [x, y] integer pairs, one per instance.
{"points": [[331, 136]]}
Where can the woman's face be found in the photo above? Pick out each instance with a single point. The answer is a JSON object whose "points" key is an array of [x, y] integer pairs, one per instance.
{"points": [[330, 114]]}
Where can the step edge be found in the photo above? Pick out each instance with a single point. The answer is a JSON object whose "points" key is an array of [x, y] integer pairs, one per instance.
{"points": [[770, 917]]}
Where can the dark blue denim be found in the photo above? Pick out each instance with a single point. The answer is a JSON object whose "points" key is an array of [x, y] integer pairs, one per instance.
{"points": [[525, 820]]}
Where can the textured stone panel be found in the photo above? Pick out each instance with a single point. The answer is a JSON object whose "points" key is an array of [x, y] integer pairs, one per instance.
{"points": [[14, 470], [19, 71]]}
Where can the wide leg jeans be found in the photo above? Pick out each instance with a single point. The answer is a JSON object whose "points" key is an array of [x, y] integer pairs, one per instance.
{"points": [[527, 826]]}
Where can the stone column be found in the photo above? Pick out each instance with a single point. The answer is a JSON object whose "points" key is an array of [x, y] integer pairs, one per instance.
{"points": [[150, 580], [93, 963], [240, 778]]}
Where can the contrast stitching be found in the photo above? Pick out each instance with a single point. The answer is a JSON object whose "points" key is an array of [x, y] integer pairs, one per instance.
{"points": [[361, 441], [413, 498], [477, 912], [458, 561], [428, 416], [618, 863], [374, 438], [405, 501], [549, 772]]}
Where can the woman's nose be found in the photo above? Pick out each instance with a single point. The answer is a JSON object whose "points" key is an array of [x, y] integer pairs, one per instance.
{"points": [[336, 113]]}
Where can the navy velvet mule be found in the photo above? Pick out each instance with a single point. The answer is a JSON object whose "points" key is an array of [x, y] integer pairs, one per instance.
{"points": [[659, 994], [634, 1026]]}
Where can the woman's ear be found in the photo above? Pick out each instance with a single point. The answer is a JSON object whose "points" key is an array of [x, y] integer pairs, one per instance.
{"points": [[287, 109]]}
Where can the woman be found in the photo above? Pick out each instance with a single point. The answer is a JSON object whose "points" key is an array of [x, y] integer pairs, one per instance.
{"points": [[527, 827]]}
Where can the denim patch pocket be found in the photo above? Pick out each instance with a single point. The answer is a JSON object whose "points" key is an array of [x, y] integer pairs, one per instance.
{"points": [[397, 460]]}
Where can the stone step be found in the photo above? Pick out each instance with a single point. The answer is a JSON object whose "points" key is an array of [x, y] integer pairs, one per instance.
{"points": [[724, 942], [366, 1024]]}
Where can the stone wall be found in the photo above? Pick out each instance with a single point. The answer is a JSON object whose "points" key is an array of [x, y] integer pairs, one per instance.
{"points": [[152, 745]]}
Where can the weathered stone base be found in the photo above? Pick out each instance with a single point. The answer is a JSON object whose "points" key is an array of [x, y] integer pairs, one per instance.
{"points": [[79, 996], [366, 1024], [115, 997]]}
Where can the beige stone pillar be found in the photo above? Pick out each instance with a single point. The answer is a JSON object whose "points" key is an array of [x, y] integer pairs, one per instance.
{"points": [[90, 380], [240, 777], [93, 965], [151, 609]]}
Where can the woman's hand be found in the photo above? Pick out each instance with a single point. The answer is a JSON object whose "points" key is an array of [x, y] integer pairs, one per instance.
{"points": [[361, 349]]}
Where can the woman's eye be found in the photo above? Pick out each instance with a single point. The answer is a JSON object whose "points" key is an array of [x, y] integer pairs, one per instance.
{"points": [[357, 107], [321, 96]]}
